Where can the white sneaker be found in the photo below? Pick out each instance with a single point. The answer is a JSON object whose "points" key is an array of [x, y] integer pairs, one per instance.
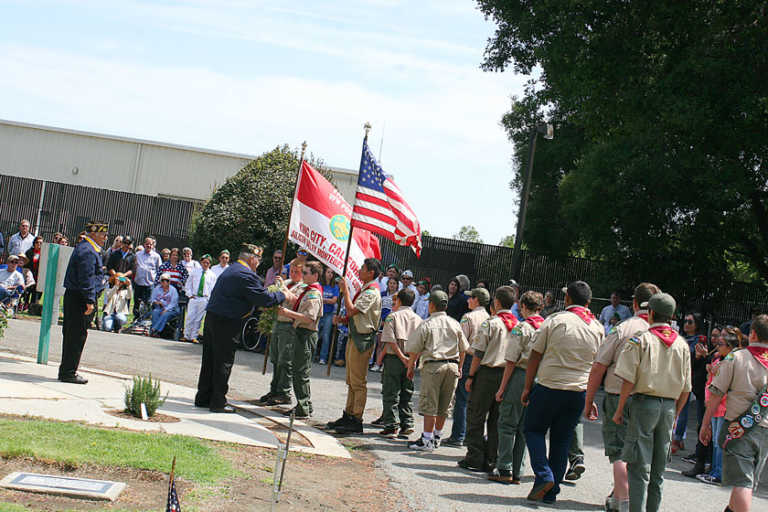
{"points": [[436, 441], [424, 445]]}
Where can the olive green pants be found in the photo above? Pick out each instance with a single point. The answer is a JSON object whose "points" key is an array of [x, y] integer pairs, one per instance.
{"points": [[511, 424], [646, 446], [281, 355], [483, 417], [304, 345], [613, 434], [396, 392]]}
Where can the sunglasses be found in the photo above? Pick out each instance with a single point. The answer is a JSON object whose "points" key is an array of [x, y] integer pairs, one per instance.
{"points": [[165, 280], [407, 279], [689, 321]]}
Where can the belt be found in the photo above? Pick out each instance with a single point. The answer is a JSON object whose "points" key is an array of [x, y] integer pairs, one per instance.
{"points": [[455, 361], [650, 397]]}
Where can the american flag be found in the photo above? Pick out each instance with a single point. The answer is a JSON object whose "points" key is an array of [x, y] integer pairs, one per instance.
{"points": [[173, 498], [380, 206]]}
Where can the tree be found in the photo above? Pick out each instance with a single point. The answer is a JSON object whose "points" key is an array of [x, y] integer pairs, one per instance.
{"points": [[507, 241], [661, 112], [252, 206], [468, 234]]}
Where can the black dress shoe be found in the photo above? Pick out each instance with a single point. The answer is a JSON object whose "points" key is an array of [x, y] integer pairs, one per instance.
{"points": [[333, 424], [203, 405], [74, 379], [352, 426], [226, 409], [463, 464]]}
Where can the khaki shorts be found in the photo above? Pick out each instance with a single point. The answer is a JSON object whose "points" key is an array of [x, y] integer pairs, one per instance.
{"points": [[438, 384], [744, 458]]}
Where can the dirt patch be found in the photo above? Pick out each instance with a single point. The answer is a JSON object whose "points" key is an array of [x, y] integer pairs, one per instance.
{"points": [[156, 418], [311, 483]]}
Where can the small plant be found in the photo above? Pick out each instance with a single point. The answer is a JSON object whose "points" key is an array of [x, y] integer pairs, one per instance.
{"points": [[3, 321], [145, 391], [268, 315]]}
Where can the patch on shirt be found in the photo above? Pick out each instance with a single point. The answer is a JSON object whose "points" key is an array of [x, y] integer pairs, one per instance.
{"points": [[729, 357], [464, 320], [389, 319], [516, 332], [613, 330], [634, 340], [313, 294]]}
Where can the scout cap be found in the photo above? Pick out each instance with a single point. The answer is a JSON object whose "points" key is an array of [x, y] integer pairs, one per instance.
{"points": [[481, 294], [407, 273], [205, 257], [253, 249], [663, 304], [579, 292], [97, 227], [393, 266], [439, 298], [223, 252]]}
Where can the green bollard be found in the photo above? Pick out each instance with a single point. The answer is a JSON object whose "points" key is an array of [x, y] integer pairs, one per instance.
{"points": [[49, 296]]}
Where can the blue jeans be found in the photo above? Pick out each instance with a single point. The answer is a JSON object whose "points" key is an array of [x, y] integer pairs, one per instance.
{"points": [[682, 422], [717, 452], [459, 428], [114, 321], [160, 317], [325, 328], [557, 412], [5, 295], [341, 346]]}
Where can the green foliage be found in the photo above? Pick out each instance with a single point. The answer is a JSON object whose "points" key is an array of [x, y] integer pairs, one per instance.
{"points": [[508, 241], [3, 322], [658, 162], [468, 234], [268, 316], [253, 206], [145, 391]]}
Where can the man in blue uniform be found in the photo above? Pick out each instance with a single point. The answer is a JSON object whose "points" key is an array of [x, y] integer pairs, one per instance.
{"points": [[238, 290], [83, 282]]}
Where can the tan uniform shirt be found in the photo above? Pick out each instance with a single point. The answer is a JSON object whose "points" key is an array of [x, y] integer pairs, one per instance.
{"points": [[568, 346], [519, 346], [492, 339], [437, 338], [609, 351], [471, 321], [654, 368], [311, 305], [296, 289], [368, 306], [398, 328], [742, 378]]}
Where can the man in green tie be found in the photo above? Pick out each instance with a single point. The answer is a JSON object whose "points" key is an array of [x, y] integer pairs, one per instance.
{"points": [[198, 288]]}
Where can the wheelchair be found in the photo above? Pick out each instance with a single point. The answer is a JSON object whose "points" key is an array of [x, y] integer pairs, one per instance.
{"points": [[11, 304], [250, 338]]}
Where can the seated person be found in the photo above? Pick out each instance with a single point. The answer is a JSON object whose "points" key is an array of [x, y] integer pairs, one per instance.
{"points": [[11, 280], [117, 301], [165, 305]]}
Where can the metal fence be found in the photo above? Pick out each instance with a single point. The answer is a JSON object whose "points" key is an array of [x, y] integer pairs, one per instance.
{"points": [[67, 208]]}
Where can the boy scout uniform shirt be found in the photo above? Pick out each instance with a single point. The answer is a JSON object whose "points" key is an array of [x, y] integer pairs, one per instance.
{"points": [[398, 328], [368, 306], [568, 346], [609, 351], [295, 289], [519, 346], [471, 322], [438, 338], [654, 368], [311, 305], [742, 378], [492, 338]]}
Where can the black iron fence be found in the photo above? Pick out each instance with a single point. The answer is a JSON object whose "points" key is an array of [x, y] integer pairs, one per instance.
{"points": [[60, 207]]}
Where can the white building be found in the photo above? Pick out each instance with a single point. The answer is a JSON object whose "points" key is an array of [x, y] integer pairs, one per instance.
{"points": [[125, 164]]}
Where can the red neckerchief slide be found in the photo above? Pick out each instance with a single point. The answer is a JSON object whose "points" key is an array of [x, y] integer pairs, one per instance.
{"points": [[583, 313], [534, 321], [760, 354], [313, 286], [510, 320], [665, 333]]}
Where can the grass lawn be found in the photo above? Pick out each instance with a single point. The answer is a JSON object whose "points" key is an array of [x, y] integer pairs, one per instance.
{"points": [[72, 443]]}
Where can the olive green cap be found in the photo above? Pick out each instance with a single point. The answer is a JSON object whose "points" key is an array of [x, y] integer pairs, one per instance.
{"points": [[439, 298], [663, 304], [481, 294]]}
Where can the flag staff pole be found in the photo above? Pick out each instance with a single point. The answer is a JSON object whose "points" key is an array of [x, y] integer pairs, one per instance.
{"points": [[335, 337], [285, 243]]}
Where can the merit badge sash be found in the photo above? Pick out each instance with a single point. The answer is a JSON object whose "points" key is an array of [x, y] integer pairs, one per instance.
{"points": [[535, 321], [665, 333], [582, 312], [510, 320], [751, 417]]}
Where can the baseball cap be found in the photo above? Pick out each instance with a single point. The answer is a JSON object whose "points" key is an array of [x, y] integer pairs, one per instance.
{"points": [[302, 252], [439, 298], [514, 284], [480, 294], [407, 273], [663, 304]]}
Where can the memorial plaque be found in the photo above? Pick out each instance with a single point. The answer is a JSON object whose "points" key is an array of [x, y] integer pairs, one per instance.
{"points": [[63, 485]]}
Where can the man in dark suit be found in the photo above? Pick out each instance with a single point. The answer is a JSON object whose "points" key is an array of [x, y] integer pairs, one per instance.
{"points": [[83, 282], [237, 292]]}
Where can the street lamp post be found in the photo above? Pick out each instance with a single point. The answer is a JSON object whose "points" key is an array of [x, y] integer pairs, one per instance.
{"points": [[548, 131]]}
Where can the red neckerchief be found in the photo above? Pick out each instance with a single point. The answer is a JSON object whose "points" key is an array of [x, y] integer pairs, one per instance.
{"points": [[644, 316], [366, 287], [510, 320], [665, 333], [313, 286], [534, 321], [582, 312], [760, 354]]}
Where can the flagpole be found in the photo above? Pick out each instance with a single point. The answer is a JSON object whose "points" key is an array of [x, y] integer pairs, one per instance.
{"points": [[173, 470], [285, 243], [335, 337]]}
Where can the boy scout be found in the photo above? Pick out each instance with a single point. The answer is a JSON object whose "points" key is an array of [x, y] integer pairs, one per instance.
{"points": [[281, 350], [363, 316], [488, 344], [562, 353], [743, 376], [441, 345], [509, 462], [305, 314], [605, 366], [396, 387], [656, 368], [470, 323]]}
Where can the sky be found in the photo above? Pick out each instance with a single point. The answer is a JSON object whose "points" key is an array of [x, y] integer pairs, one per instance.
{"points": [[248, 75]]}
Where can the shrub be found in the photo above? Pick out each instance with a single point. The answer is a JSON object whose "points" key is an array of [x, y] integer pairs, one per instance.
{"points": [[145, 391]]}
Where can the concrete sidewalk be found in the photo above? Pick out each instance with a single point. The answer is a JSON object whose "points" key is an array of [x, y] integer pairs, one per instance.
{"points": [[31, 389]]}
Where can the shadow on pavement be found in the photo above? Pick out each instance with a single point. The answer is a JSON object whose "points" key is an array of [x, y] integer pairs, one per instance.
{"points": [[25, 377], [516, 503]]}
